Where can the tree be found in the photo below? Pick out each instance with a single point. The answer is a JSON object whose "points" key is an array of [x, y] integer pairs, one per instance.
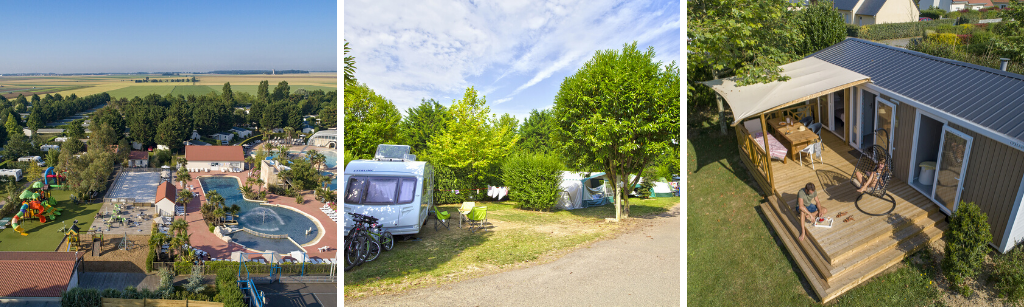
{"points": [[746, 38], [102, 137], [370, 120], [18, 146], [34, 120], [281, 91], [422, 123], [263, 91], [184, 197], [617, 114], [53, 157], [74, 129], [110, 116], [182, 173], [350, 68], [535, 134], [227, 95], [12, 127], [172, 133], [1011, 34], [329, 116], [822, 26], [473, 143]]}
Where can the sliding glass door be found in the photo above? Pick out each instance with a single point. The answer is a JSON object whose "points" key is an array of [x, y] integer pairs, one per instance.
{"points": [[954, 153]]}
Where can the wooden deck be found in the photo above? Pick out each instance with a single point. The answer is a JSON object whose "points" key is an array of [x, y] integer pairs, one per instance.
{"points": [[837, 259]]}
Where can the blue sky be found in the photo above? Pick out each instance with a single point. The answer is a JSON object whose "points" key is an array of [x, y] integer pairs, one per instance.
{"points": [[515, 52], [132, 36]]}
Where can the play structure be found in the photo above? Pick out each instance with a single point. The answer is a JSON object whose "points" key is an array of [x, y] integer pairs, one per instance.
{"points": [[74, 242], [35, 203], [52, 178]]}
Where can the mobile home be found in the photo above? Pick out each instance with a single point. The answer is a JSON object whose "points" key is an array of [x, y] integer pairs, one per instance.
{"points": [[392, 187]]}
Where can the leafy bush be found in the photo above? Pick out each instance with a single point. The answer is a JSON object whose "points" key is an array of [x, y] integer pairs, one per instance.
{"points": [[933, 13], [192, 296], [130, 293], [81, 297], [822, 26], [227, 288], [111, 293], [899, 30], [446, 181], [1009, 275], [852, 30], [945, 38], [149, 259], [966, 245], [647, 183], [533, 180], [166, 287], [195, 281]]}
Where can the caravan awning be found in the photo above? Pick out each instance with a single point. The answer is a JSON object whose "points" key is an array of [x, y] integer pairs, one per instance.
{"points": [[809, 78]]}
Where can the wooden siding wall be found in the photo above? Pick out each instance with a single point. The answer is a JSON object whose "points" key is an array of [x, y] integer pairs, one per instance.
{"points": [[994, 173], [904, 142]]}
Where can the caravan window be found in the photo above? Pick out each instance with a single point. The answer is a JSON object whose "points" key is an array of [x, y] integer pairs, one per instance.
{"points": [[380, 190]]}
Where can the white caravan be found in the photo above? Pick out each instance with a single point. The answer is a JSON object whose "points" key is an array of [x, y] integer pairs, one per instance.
{"points": [[392, 187]]}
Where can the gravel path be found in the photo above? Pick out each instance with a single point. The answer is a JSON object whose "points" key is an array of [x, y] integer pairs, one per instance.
{"points": [[639, 268]]}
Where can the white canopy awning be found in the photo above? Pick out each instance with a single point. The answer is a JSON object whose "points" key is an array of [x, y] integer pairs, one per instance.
{"points": [[809, 78]]}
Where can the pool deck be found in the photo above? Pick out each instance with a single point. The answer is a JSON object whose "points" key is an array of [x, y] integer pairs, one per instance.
{"points": [[203, 239]]}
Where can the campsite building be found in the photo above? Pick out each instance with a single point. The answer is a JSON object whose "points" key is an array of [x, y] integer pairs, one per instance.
{"points": [[166, 194], [324, 138], [952, 132], [215, 157], [138, 158], [38, 276]]}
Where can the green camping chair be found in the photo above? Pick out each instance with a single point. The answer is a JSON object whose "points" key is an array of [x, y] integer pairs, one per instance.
{"points": [[441, 217], [477, 216]]}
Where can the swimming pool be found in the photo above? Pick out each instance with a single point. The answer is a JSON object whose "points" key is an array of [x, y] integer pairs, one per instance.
{"points": [[264, 219]]}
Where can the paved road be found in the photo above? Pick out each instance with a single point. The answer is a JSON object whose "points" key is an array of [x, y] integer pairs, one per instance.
{"points": [[640, 268]]}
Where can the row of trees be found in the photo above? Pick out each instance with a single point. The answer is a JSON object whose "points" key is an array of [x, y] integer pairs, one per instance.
{"points": [[619, 114]]}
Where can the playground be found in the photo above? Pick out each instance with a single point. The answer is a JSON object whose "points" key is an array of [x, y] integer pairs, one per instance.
{"points": [[140, 186], [121, 218], [49, 235]]}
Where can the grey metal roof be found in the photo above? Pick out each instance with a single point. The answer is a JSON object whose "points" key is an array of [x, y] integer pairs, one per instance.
{"points": [[988, 97], [870, 7], [845, 4]]}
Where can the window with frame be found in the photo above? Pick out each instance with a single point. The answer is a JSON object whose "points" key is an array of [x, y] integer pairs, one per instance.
{"points": [[380, 190]]}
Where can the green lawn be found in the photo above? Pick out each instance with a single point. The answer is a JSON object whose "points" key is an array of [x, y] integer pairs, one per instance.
{"points": [[518, 237], [186, 90], [47, 237], [141, 91], [733, 257]]}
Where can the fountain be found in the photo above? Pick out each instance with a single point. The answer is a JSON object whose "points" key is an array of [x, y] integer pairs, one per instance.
{"points": [[262, 219]]}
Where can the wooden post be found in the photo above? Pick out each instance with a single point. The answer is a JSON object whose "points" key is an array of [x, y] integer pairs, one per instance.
{"points": [[768, 155]]}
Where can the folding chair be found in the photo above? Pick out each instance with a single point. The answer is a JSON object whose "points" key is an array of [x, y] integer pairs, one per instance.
{"points": [[464, 210], [441, 217], [477, 216]]}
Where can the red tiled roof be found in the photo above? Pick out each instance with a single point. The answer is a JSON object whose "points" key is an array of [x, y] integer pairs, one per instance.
{"points": [[138, 155], [214, 153], [36, 274], [165, 190]]}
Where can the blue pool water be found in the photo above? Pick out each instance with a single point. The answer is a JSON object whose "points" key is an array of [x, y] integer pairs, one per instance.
{"points": [[264, 219], [332, 159]]}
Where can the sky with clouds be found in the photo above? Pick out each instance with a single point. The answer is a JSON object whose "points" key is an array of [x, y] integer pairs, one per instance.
{"points": [[517, 53]]}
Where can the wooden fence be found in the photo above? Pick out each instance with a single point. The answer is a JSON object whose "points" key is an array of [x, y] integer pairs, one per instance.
{"points": [[120, 302]]}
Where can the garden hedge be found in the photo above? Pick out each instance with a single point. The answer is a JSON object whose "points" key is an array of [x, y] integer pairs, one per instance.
{"points": [[533, 180], [895, 30]]}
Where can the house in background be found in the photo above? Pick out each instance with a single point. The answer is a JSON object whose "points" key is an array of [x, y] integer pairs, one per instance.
{"points": [[241, 132], [137, 158], [957, 5], [224, 138], [215, 157], [1001, 4], [869, 12], [194, 136], [164, 201], [38, 277]]}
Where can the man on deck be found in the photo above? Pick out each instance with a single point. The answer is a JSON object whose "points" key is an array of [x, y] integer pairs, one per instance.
{"points": [[810, 207]]}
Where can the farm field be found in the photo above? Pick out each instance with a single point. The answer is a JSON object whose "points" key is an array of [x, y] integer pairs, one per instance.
{"points": [[124, 85], [186, 90]]}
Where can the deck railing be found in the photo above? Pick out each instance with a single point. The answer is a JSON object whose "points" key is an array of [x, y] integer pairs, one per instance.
{"points": [[755, 158]]}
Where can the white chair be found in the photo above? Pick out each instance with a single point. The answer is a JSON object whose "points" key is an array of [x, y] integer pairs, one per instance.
{"points": [[812, 150]]}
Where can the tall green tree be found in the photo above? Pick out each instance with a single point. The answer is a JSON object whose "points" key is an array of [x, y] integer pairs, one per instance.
{"points": [[172, 133], [1010, 42], [617, 114], [281, 91], [12, 127], [746, 38], [35, 121], [370, 120], [263, 91], [329, 116], [350, 68], [110, 116], [422, 123], [473, 142], [535, 134], [227, 95], [822, 26]]}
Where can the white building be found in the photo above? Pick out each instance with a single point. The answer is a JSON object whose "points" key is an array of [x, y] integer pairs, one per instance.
{"points": [[138, 158], [324, 138], [194, 136], [215, 157], [165, 196], [224, 138], [241, 132], [269, 171]]}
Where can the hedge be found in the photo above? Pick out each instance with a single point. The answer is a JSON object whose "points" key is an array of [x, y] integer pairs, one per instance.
{"points": [[897, 30], [257, 268], [533, 179]]}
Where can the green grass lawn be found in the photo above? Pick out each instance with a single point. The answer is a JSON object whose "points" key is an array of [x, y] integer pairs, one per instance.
{"points": [[518, 237], [733, 257], [186, 90], [141, 91], [47, 237]]}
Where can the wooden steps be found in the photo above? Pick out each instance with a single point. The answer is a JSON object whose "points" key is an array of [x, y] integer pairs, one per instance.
{"points": [[873, 253]]}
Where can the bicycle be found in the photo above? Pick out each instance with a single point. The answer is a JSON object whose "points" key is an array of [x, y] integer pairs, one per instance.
{"points": [[357, 246], [383, 238]]}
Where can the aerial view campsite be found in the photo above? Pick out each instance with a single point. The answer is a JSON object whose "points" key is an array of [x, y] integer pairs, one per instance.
{"points": [[147, 178], [527, 159]]}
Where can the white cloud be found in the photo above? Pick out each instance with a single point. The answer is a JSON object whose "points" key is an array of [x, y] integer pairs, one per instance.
{"points": [[407, 51]]}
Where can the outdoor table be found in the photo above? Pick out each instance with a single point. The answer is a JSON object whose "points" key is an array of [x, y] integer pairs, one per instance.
{"points": [[779, 123], [798, 140]]}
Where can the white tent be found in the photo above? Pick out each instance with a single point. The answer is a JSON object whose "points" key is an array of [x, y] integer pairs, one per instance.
{"points": [[571, 196], [661, 187], [238, 256]]}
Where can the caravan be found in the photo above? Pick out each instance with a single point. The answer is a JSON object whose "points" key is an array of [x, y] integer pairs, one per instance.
{"points": [[392, 187]]}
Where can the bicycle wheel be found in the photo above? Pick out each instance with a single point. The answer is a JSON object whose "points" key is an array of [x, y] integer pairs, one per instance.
{"points": [[372, 250], [355, 252], [387, 241]]}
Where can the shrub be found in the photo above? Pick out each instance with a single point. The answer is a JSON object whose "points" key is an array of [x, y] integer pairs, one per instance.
{"points": [[195, 281], [446, 181], [192, 296], [533, 180], [822, 26], [945, 38], [130, 293], [166, 287], [899, 30], [81, 297], [966, 245], [647, 182], [852, 30], [227, 288], [933, 13], [981, 43], [1009, 275], [111, 293], [149, 259]]}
